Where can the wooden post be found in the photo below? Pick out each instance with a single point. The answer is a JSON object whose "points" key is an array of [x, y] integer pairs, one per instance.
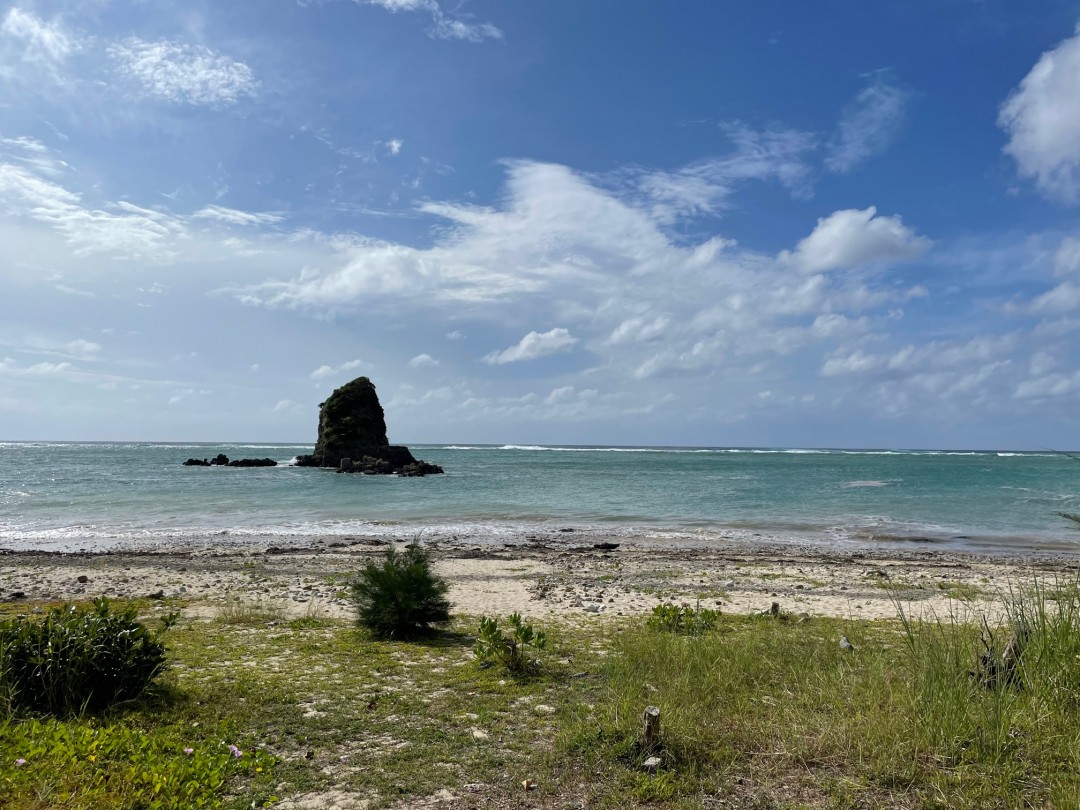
{"points": [[650, 736]]}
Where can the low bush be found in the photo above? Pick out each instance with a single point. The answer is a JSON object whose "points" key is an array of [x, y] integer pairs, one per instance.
{"points": [[683, 619], [401, 598], [78, 659], [516, 653]]}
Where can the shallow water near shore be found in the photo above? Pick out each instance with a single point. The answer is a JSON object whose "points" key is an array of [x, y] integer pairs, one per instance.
{"points": [[62, 496]]}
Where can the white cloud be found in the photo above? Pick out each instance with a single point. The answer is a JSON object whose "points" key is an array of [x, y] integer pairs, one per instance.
{"points": [[532, 346], [1042, 119], [851, 238], [322, 372], [423, 361], [394, 145], [639, 330], [44, 43], [868, 125], [232, 216], [457, 334], [183, 73], [83, 347], [286, 406], [1049, 386]]}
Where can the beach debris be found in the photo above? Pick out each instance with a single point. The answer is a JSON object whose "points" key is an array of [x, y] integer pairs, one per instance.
{"points": [[352, 436], [846, 645], [650, 732], [528, 784]]}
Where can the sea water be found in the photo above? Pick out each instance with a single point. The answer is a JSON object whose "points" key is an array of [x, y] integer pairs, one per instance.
{"points": [[94, 495]]}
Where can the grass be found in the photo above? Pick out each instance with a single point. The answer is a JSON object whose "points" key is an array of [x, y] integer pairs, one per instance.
{"points": [[756, 713]]}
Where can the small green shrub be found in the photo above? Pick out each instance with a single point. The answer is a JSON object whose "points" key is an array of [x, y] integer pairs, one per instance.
{"points": [[402, 598], [78, 659], [516, 653], [683, 619]]}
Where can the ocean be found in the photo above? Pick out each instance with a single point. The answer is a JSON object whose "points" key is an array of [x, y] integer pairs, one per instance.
{"points": [[69, 496]]}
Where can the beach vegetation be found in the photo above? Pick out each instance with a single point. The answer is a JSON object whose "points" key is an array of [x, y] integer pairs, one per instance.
{"points": [[754, 713], [85, 765], [518, 652], [402, 597], [79, 658], [683, 619]]}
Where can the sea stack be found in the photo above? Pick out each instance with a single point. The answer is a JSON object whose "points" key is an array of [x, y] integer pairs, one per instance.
{"points": [[352, 436]]}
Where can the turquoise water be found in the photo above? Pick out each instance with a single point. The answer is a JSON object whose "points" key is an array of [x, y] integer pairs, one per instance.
{"points": [[70, 495]]}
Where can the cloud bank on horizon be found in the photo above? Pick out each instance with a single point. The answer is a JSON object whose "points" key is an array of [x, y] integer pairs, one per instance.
{"points": [[527, 225]]}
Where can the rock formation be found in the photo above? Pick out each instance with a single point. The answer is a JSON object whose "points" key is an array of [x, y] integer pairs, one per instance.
{"points": [[352, 436], [222, 460]]}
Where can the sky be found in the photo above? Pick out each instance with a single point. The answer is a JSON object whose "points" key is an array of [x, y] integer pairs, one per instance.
{"points": [[794, 224]]}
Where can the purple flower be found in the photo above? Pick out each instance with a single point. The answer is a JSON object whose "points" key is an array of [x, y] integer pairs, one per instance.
{"points": [[20, 762], [189, 751], [236, 752]]}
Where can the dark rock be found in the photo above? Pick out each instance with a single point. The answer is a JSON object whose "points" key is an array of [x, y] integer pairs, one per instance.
{"points": [[82, 579], [253, 462], [351, 421], [352, 437], [156, 595], [196, 462], [220, 460], [606, 546], [17, 595]]}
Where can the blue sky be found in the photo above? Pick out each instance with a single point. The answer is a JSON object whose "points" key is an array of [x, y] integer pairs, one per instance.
{"points": [[770, 223]]}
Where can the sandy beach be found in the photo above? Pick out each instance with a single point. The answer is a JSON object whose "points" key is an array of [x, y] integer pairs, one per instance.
{"points": [[561, 574]]}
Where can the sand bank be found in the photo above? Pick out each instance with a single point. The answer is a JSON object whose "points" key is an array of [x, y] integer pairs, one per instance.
{"points": [[558, 574]]}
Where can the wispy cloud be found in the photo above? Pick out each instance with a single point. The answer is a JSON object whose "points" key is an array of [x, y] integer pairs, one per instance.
{"points": [[183, 73], [869, 124], [44, 43], [444, 25], [124, 229], [232, 216], [532, 346]]}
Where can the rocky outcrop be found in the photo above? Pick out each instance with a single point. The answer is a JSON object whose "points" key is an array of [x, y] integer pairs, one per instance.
{"points": [[222, 460], [352, 436]]}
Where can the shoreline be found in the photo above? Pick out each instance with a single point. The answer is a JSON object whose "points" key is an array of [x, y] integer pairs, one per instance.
{"points": [[551, 574]]}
